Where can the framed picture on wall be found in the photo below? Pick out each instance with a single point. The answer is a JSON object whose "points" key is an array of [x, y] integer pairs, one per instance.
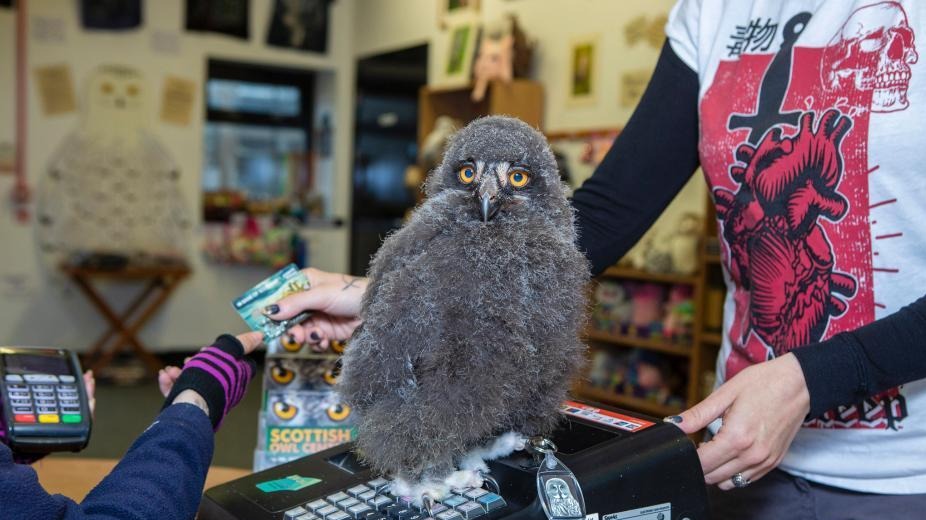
{"points": [[448, 10], [456, 53], [583, 70]]}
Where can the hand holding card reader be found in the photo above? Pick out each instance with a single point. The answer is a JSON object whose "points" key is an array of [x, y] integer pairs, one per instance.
{"points": [[45, 405], [628, 467]]}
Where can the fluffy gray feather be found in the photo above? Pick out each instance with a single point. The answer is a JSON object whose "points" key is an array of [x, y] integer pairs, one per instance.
{"points": [[470, 327]]}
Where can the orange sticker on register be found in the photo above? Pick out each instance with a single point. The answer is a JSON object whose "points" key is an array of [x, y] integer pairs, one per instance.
{"points": [[604, 417]]}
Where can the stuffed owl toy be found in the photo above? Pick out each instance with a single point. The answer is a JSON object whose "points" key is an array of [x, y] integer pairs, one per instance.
{"points": [[471, 320]]}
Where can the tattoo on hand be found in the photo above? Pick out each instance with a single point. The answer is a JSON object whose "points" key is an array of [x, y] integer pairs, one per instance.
{"points": [[350, 282]]}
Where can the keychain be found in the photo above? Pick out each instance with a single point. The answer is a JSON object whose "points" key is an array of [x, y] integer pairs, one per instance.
{"points": [[557, 487]]}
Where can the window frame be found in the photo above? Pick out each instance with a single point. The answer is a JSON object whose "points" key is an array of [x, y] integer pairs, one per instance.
{"points": [[304, 80]]}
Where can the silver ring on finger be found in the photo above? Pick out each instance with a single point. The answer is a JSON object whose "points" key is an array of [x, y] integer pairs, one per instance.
{"points": [[739, 481]]}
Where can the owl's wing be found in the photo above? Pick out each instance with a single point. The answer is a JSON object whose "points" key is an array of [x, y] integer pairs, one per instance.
{"points": [[400, 250], [64, 200], [163, 199]]}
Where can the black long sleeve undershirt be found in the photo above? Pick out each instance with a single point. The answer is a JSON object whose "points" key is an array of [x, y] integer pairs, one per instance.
{"points": [[851, 366], [647, 166], [650, 161]]}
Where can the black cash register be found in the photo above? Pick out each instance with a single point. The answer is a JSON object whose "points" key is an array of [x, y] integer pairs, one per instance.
{"points": [[45, 405], [629, 467]]}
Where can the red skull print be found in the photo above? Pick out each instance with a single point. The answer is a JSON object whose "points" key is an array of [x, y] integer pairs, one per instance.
{"points": [[872, 51]]}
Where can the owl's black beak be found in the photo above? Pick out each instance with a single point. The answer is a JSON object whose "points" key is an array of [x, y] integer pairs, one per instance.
{"points": [[489, 206]]}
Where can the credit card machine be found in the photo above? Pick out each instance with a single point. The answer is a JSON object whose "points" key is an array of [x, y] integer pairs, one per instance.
{"points": [[45, 405]]}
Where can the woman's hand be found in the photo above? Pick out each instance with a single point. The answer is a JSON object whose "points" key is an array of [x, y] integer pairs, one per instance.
{"points": [[762, 409], [168, 375], [90, 385], [334, 300]]}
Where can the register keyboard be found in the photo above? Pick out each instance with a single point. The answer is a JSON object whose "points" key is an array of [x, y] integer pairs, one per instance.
{"points": [[629, 467], [374, 501]]}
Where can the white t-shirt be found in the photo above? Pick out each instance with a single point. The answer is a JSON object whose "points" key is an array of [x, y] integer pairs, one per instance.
{"points": [[812, 115]]}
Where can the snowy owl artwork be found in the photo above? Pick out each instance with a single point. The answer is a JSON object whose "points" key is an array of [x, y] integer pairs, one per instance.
{"points": [[111, 186]]}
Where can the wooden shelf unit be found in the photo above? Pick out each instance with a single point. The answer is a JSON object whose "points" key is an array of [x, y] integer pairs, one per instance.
{"points": [[624, 401], [700, 352], [656, 344], [645, 276], [519, 98]]}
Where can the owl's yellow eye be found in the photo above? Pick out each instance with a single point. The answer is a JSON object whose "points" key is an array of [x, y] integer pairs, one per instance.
{"points": [[290, 346], [338, 412], [132, 90], [284, 411], [106, 88], [467, 174], [331, 375], [518, 178], [281, 375]]}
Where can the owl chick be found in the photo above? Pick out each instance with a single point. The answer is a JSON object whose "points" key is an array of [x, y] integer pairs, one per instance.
{"points": [[471, 319]]}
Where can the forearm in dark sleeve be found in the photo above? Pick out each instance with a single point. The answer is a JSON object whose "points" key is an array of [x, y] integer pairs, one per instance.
{"points": [[161, 476], [646, 167], [163, 473], [851, 366]]}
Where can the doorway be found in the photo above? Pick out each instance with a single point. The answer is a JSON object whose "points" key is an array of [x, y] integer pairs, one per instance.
{"points": [[385, 144]]}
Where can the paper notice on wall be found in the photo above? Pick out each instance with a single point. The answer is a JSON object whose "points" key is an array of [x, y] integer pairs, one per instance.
{"points": [[7, 157], [166, 42], [47, 29], [177, 100], [56, 89]]}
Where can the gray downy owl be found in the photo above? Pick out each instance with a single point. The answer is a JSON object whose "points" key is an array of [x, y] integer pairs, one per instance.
{"points": [[111, 186], [472, 317]]}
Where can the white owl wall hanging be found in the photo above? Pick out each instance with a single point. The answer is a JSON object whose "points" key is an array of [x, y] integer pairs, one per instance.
{"points": [[111, 186]]}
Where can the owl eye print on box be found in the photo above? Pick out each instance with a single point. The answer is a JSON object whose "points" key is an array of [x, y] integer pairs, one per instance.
{"points": [[112, 186], [299, 423], [326, 410], [472, 316], [293, 374]]}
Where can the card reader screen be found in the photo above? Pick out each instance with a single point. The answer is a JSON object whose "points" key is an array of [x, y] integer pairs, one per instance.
{"points": [[34, 364]]}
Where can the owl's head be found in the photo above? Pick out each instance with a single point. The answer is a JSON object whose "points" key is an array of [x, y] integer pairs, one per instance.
{"points": [[498, 167], [115, 98]]}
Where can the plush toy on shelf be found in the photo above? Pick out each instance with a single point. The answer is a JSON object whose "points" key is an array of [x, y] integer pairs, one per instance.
{"points": [[679, 317], [612, 308], [650, 376], [504, 53], [646, 301]]}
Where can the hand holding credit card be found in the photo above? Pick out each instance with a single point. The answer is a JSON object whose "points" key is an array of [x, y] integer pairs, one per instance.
{"points": [[274, 288]]}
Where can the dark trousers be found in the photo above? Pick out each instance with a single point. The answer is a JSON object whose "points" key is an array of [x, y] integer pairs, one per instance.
{"points": [[780, 496]]}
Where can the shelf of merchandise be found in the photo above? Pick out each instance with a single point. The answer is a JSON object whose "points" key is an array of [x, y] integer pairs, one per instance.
{"points": [[625, 401], [702, 349], [656, 344]]}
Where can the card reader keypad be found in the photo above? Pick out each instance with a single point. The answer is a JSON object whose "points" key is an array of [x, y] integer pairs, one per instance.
{"points": [[374, 501], [43, 398]]}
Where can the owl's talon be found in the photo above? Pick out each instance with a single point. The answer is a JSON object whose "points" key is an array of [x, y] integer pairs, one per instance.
{"points": [[427, 503], [490, 480]]}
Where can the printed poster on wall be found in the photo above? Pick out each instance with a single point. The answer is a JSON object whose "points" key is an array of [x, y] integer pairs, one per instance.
{"points": [[112, 15], [229, 17], [177, 100], [299, 25], [56, 89]]}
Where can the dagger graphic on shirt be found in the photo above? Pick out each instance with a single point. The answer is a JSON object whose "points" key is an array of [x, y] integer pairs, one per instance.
{"points": [[774, 87]]}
